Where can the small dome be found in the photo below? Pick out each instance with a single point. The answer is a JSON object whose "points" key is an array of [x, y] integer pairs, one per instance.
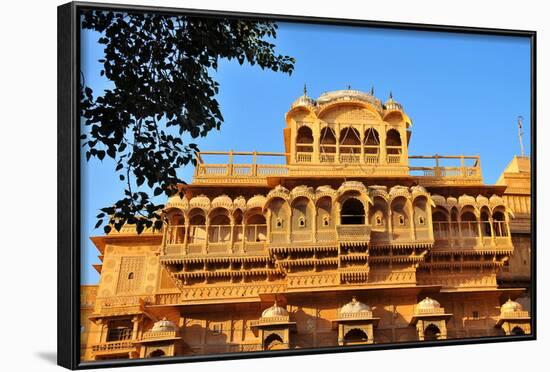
{"points": [[428, 304], [274, 311], [354, 306], [511, 306], [304, 100], [392, 104], [164, 325]]}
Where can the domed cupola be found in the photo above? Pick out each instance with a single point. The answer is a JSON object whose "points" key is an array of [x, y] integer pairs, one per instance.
{"points": [[354, 307], [164, 325], [511, 307], [304, 100], [391, 104], [428, 305], [274, 311]]}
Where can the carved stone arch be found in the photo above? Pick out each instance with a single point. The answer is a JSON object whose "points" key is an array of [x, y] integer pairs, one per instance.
{"points": [[355, 335], [342, 110], [277, 192], [197, 218], [354, 187], [420, 191], [274, 341], [348, 208], [467, 201], [239, 203], [257, 201], [379, 191], [300, 113], [200, 201], [216, 216], [303, 191], [324, 211], [401, 211], [176, 202], [325, 191], [422, 207], [482, 201], [174, 216], [379, 216], [440, 201], [222, 201], [278, 211], [302, 212], [399, 191]]}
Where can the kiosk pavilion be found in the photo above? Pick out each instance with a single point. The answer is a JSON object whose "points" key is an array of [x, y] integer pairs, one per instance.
{"points": [[346, 240]]}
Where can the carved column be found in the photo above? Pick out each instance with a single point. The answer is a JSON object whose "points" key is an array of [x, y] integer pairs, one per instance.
{"points": [[383, 152], [316, 141]]}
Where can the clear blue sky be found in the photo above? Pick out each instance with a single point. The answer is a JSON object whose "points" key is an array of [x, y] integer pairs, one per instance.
{"points": [[463, 93]]}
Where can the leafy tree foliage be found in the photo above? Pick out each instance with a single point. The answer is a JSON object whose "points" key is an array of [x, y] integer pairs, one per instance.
{"points": [[160, 67]]}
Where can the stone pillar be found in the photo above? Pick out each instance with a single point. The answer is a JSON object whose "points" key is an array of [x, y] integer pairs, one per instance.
{"points": [[383, 152]]}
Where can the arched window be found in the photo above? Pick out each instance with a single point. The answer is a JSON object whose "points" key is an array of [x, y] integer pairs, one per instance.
{"points": [[327, 145], [350, 145], [517, 331], [352, 212], [197, 226], [431, 333], [371, 146], [273, 341], [157, 354], [256, 227], [393, 146], [499, 224], [355, 336], [219, 229], [130, 276], [304, 144], [469, 224]]}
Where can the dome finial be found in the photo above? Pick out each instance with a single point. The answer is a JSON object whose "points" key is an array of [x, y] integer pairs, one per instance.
{"points": [[372, 90], [305, 89], [349, 86], [391, 95]]}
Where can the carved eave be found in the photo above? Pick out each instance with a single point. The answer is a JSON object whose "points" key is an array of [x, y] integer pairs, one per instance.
{"points": [[428, 316]]}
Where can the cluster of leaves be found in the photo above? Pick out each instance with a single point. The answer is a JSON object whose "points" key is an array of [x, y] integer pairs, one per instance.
{"points": [[160, 67]]}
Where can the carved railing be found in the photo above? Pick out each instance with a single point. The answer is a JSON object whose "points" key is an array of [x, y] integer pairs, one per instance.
{"points": [[270, 320], [353, 232], [156, 335], [202, 239], [514, 314], [113, 346], [255, 172], [304, 157], [365, 314], [433, 311], [393, 158], [471, 233]]}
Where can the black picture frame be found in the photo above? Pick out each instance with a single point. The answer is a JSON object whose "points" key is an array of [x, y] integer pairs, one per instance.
{"points": [[68, 273]]}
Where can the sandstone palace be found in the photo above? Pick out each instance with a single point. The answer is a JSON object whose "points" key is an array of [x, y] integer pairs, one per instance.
{"points": [[343, 239]]}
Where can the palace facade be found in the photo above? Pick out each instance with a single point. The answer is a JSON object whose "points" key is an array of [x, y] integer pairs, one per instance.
{"points": [[343, 239]]}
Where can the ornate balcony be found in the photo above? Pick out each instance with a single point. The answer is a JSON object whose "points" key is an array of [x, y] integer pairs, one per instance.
{"points": [[353, 234], [114, 347], [472, 235], [435, 172]]}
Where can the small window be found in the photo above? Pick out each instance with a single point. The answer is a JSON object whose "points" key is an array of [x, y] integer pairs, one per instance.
{"points": [[525, 262], [378, 221], [279, 223], [475, 315], [130, 276], [401, 220], [302, 222], [326, 220], [421, 220]]}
